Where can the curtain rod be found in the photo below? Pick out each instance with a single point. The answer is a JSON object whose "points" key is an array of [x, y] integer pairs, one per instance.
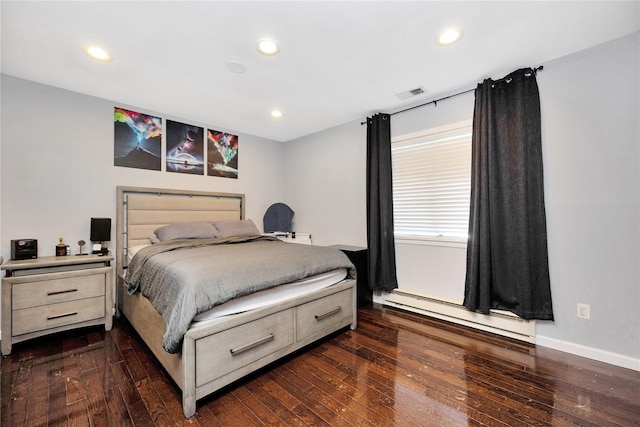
{"points": [[435, 101]]}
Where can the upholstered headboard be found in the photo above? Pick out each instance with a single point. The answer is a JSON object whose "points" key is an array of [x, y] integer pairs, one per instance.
{"points": [[142, 210]]}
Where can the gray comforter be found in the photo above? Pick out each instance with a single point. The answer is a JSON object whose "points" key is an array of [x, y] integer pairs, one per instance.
{"points": [[182, 278]]}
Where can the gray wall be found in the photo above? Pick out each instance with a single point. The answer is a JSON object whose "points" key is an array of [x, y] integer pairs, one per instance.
{"points": [[590, 107], [591, 137], [326, 184], [57, 166]]}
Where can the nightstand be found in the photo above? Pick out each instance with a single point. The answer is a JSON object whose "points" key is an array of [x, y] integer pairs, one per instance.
{"points": [[359, 257], [301, 238], [52, 294]]}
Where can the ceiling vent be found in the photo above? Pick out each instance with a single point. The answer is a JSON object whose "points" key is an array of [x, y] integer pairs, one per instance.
{"points": [[411, 93]]}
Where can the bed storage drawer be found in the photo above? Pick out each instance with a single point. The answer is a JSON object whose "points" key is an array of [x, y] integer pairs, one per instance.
{"points": [[324, 313], [55, 315], [234, 348]]}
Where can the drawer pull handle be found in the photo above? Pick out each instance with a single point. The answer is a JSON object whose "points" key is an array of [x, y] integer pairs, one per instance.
{"points": [[61, 292], [319, 317], [236, 351], [58, 316]]}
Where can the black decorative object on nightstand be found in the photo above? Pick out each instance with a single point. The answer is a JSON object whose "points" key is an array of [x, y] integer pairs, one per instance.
{"points": [[100, 233], [358, 256]]}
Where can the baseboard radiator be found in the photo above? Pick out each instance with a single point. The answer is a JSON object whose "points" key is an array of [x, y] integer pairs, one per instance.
{"points": [[498, 322]]}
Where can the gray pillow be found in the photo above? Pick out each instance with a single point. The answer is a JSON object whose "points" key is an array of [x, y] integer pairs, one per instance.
{"points": [[187, 230], [244, 227]]}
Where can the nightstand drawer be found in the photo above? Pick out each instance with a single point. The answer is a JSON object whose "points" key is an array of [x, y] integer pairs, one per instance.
{"points": [[54, 315], [324, 312], [37, 293]]}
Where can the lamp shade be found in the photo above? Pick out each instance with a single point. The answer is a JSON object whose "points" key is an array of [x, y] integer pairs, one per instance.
{"points": [[100, 230]]}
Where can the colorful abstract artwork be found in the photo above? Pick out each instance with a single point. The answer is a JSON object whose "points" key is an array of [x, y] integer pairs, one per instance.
{"points": [[137, 140], [222, 154], [185, 148]]}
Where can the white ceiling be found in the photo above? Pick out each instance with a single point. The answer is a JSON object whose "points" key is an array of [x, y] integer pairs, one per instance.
{"points": [[339, 61]]}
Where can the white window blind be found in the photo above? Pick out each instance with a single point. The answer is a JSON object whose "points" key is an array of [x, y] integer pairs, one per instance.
{"points": [[432, 184]]}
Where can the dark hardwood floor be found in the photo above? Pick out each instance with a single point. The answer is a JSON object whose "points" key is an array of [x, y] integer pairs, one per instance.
{"points": [[396, 369]]}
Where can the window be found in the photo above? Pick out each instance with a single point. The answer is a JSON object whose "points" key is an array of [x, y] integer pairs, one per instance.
{"points": [[432, 184]]}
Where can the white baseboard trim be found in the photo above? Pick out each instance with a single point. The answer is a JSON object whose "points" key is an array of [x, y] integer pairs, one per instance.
{"points": [[452, 312], [498, 322], [589, 352]]}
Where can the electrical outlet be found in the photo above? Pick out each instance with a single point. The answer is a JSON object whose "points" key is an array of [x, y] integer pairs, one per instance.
{"points": [[584, 311]]}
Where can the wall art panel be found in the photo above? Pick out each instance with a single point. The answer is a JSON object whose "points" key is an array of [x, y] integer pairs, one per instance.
{"points": [[222, 154], [185, 148], [137, 140]]}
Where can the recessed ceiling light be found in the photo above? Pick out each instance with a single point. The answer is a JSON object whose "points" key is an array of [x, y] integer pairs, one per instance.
{"points": [[98, 53], [268, 47], [449, 36], [276, 114]]}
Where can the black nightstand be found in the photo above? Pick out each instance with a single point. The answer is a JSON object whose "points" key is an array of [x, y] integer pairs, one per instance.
{"points": [[359, 257]]}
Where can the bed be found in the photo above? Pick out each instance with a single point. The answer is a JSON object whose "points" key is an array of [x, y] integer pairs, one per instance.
{"points": [[233, 339]]}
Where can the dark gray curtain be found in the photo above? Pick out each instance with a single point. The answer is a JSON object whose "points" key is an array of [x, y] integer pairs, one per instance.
{"points": [[507, 261], [382, 256]]}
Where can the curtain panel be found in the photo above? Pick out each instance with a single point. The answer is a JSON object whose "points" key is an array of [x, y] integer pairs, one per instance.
{"points": [[380, 237], [507, 259]]}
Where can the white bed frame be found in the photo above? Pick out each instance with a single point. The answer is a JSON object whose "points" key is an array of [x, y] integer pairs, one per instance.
{"points": [[219, 352]]}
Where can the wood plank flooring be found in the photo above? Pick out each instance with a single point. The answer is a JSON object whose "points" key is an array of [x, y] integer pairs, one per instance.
{"points": [[396, 369]]}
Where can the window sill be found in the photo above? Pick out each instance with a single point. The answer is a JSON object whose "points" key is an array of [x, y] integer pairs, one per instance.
{"points": [[451, 242]]}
